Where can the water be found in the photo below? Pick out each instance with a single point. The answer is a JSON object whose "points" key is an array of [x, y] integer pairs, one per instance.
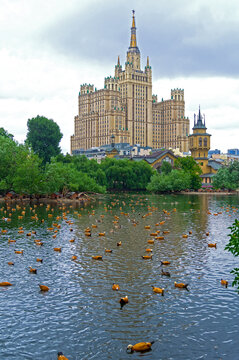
{"points": [[81, 315]]}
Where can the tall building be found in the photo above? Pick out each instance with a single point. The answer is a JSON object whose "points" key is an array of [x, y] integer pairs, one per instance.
{"points": [[127, 109]]}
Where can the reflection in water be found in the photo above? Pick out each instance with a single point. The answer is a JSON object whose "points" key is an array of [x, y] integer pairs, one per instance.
{"points": [[81, 315]]}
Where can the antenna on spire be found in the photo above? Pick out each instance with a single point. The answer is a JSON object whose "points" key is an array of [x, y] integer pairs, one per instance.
{"points": [[133, 12], [118, 60]]}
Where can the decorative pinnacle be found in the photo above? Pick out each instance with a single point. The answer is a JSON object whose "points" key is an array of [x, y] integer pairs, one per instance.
{"points": [[133, 32], [118, 60]]}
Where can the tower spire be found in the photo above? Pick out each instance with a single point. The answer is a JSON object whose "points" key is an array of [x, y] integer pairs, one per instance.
{"points": [[133, 43], [118, 60]]}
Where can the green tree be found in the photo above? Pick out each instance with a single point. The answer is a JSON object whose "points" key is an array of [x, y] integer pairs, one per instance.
{"points": [[166, 167], [5, 133], [28, 175], [233, 247], [44, 136], [8, 163], [176, 180], [190, 166], [227, 177]]}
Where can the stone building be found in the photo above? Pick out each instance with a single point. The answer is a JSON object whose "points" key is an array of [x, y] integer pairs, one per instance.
{"points": [[199, 145], [127, 109]]}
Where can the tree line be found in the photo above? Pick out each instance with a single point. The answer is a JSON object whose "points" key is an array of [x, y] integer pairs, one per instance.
{"points": [[39, 167]]}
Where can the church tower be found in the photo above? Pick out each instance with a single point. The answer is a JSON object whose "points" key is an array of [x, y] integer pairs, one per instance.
{"points": [[199, 142]]}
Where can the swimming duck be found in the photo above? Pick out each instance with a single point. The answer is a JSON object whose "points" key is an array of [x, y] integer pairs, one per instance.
{"points": [[119, 243], [158, 290], [102, 234], [150, 241], [5, 283], [165, 262], [108, 250], [212, 245], [140, 347], [40, 260], [123, 301], [147, 257], [60, 356], [97, 257], [149, 250], [44, 287], [57, 249], [33, 271], [115, 287], [18, 252], [10, 263], [74, 257], [185, 236], [224, 283], [181, 285], [165, 273]]}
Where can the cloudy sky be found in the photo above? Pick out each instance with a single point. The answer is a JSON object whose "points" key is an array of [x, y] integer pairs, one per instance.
{"points": [[49, 47]]}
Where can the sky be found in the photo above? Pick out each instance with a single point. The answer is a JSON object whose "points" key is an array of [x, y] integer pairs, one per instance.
{"points": [[49, 48]]}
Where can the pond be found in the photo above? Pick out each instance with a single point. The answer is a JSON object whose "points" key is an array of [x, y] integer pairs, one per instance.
{"points": [[81, 316]]}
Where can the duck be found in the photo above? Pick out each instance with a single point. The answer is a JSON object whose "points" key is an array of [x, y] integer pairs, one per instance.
{"points": [[147, 257], [185, 236], [140, 347], [11, 241], [224, 283], [165, 262], [212, 245], [40, 260], [102, 234], [44, 288], [158, 290], [123, 301], [165, 273], [181, 285], [33, 271], [18, 252], [97, 257], [190, 232], [60, 356], [74, 257], [148, 250], [10, 263], [115, 287], [5, 283], [108, 250], [119, 243], [57, 249], [150, 241]]}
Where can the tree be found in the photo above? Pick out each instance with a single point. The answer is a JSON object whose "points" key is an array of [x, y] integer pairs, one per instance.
{"points": [[8, 155], [176, 180], [5, 133], [44, 136], [189, 165], [28, 175], [233, 247], [166, 167], [227, 177]]}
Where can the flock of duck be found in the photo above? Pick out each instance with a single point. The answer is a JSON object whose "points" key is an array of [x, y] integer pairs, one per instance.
{"points": [[153, 236]]}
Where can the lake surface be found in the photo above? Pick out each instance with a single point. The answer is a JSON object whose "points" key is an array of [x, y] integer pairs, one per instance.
{"points": [[80, 315]]}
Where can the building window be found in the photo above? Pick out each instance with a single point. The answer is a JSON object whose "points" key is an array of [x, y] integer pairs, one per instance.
{"points": [[200, 142], [205, 142]]}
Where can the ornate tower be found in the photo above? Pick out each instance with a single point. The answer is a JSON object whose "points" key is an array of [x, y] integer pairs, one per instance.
{"points": [[199, 142], [133, 53]]}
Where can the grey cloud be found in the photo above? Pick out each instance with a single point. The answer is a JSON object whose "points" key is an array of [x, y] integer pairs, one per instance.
{"points": [[179, 40]]}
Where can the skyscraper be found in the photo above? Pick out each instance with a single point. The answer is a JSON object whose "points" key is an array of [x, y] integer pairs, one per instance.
{"points": [[127, 109]]}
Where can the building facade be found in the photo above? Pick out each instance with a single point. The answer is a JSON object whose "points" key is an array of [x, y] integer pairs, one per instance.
{"points": [[127, 109]]}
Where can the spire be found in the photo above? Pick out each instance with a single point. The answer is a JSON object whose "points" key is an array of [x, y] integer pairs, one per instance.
{"points": [[133, 43], [147, 61], [118, 60]]}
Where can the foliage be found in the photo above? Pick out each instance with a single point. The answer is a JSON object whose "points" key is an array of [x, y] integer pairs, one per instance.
{"points": [[233, 247], [189, 165], [176, 180], [5, 133], [28, 176], [64, 177], [227, 177], [166, 167], [44, 136], [126, 174], [8, 155]]}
